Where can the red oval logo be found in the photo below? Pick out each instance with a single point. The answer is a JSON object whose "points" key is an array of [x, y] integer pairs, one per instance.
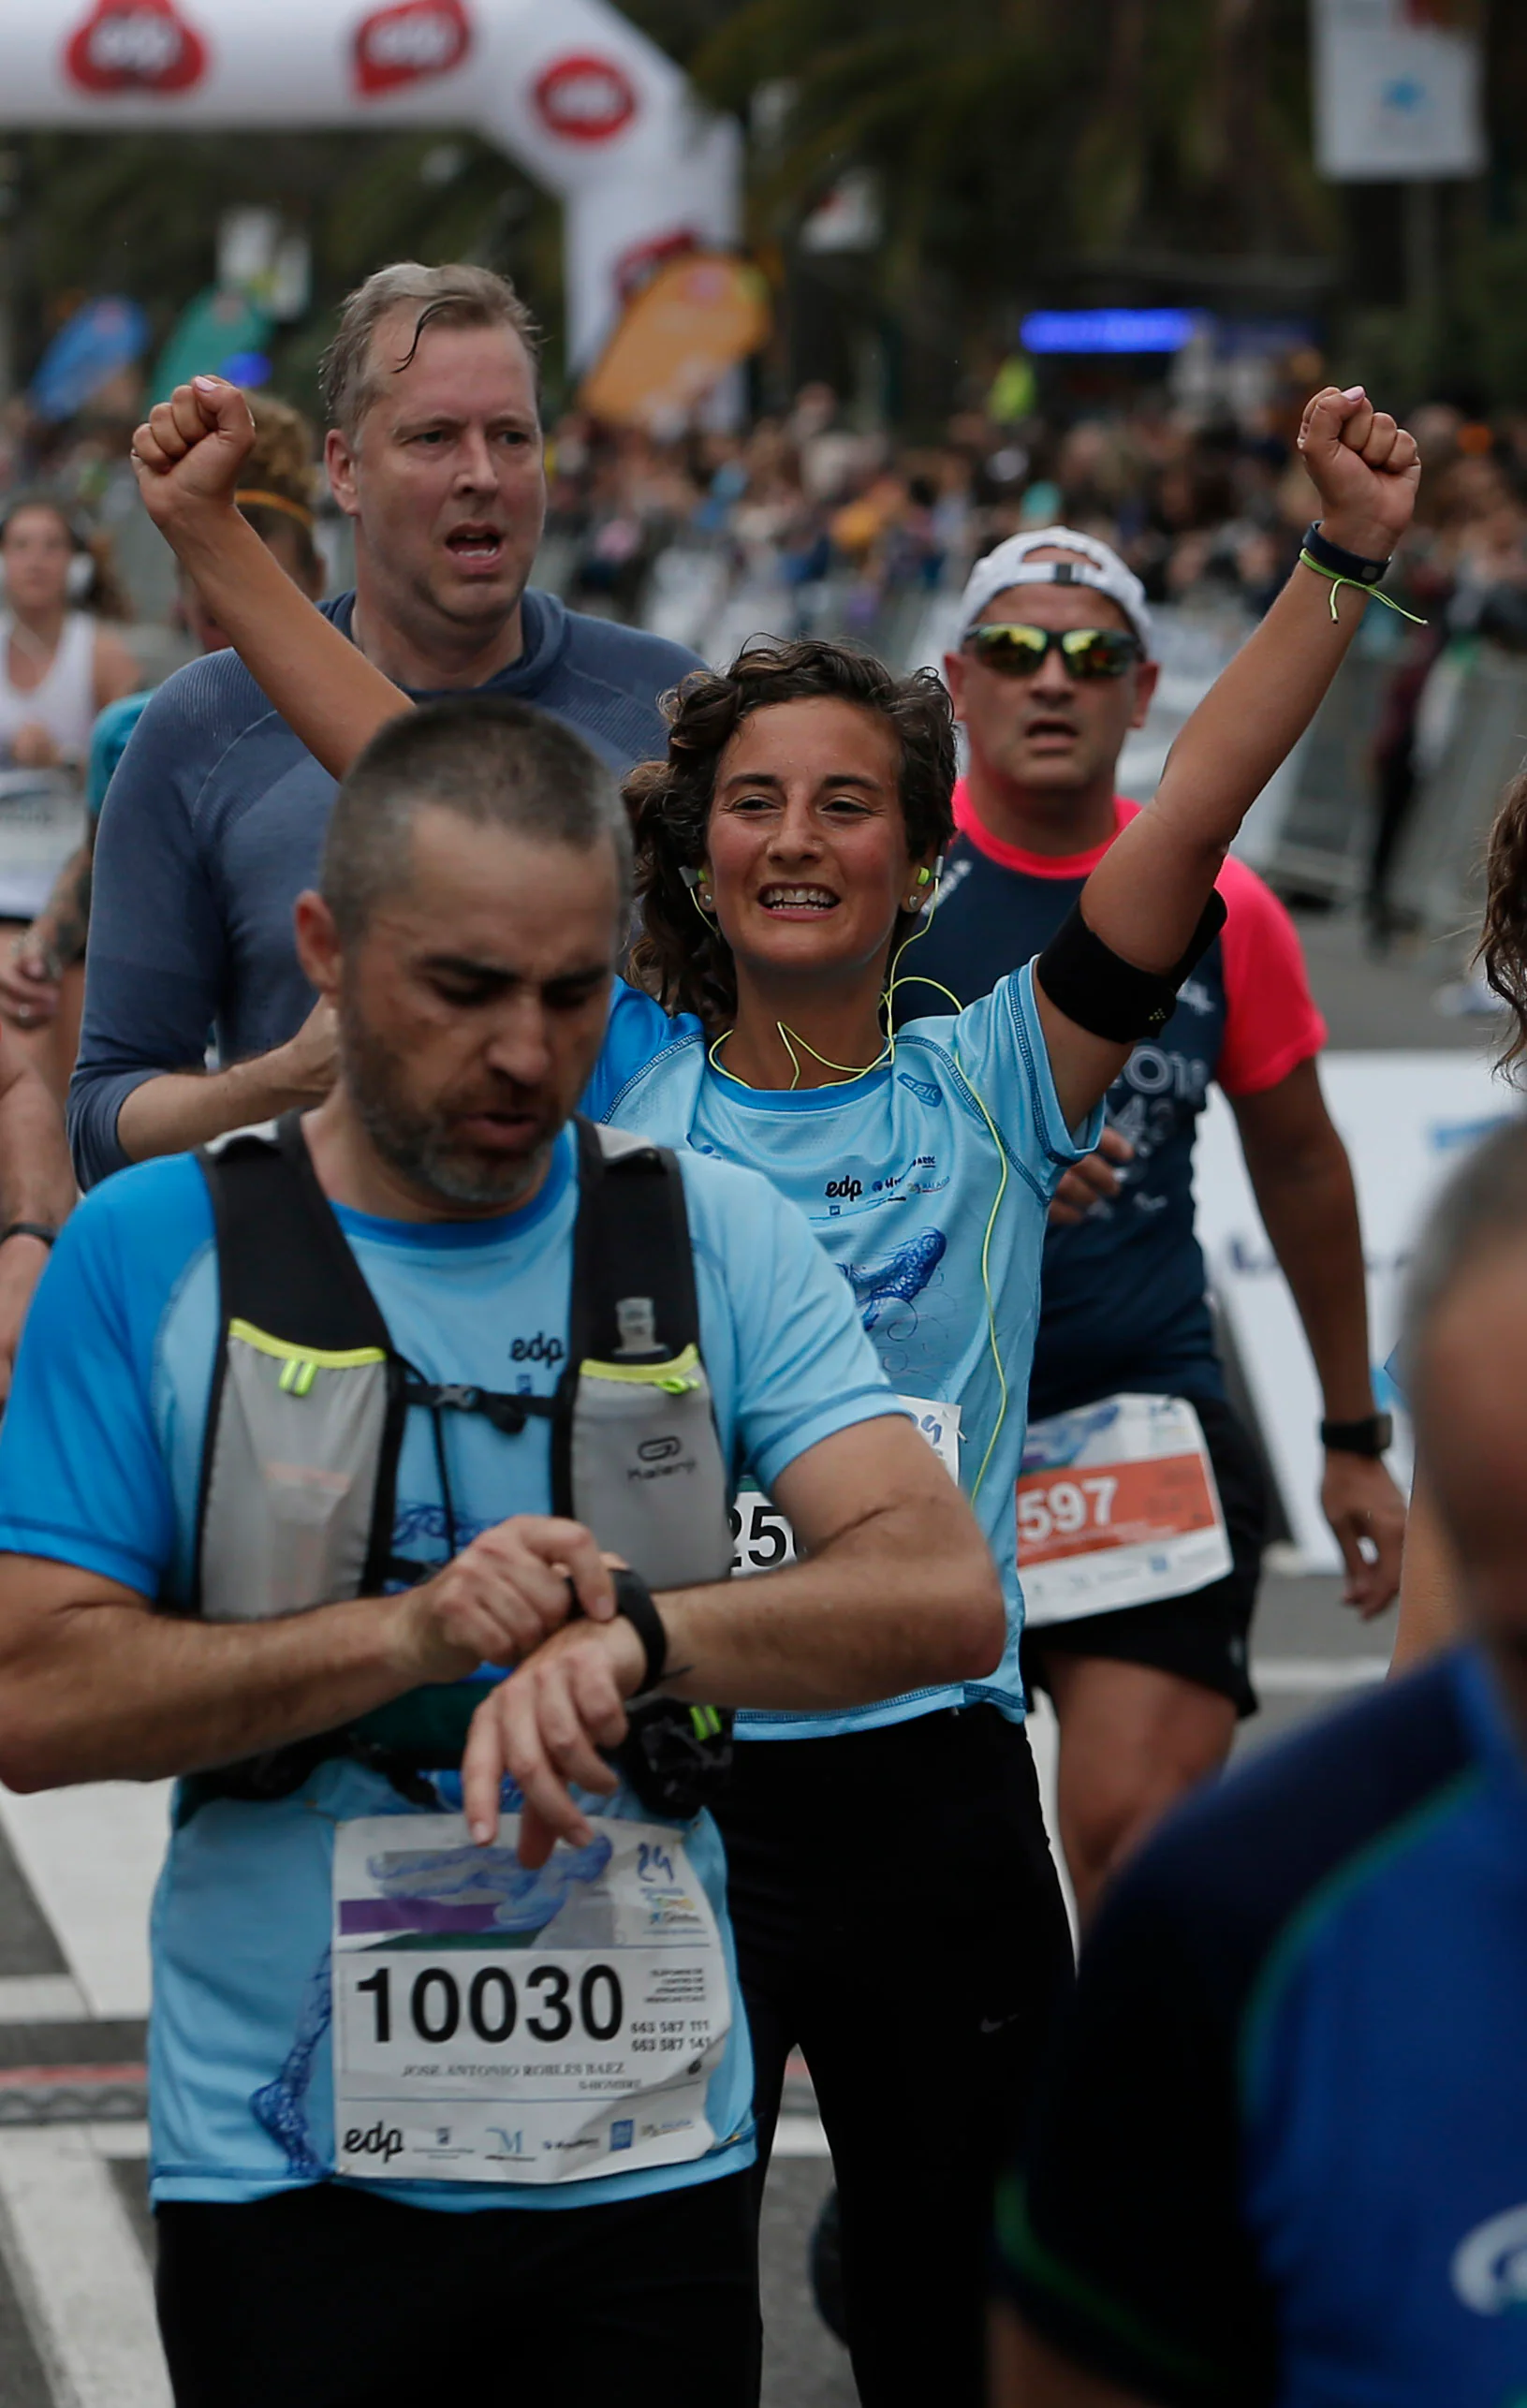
{"points": [[136, 46], [585, 98], [410, 42]]}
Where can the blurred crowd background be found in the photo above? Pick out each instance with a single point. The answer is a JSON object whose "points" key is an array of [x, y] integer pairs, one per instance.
{"points": [[1004, 288]]}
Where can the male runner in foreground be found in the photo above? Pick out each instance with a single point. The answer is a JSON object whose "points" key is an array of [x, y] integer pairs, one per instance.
{"points": [[474, 903], [1285, 2153], [1147, 1663]]}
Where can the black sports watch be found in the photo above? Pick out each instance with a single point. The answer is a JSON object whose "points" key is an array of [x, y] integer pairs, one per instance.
{"points": [[42, 1230], [1370, 1437]]}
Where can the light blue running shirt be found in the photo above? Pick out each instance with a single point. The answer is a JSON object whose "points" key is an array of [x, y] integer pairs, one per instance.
{"points": [[899, 1174], [99, 1462]]}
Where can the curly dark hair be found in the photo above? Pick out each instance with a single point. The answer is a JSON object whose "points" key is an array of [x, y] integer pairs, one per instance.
{"points": [[1502, 946], [677, 957]]}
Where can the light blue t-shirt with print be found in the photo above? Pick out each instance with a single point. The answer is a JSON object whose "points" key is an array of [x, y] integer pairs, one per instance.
{"points": [[937, 1226], [99, 1462]]}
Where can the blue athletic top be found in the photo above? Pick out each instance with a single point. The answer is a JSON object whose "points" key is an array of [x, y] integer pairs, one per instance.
{"points": [[216, 823], [936, 1228], [1125, 1300], [99, 1458], [1282, 2158]]}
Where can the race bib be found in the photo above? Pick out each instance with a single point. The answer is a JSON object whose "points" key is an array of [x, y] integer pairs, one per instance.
{"points": [[497, 2025], [43, 821], [762, 1539], [1117, 1505]]}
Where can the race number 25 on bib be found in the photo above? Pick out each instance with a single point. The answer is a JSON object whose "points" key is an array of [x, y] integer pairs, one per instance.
{"points": [[493, 2024], [762, 1539], [1117, 1506]]}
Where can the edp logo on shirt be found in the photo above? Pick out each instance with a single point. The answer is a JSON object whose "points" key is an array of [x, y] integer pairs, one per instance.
{"points": [[539, 1349]]}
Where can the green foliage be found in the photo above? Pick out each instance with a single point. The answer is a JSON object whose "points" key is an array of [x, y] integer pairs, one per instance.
{"points": [[137, 213]]}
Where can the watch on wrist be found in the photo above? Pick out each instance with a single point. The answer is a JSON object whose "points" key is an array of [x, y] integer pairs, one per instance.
{"points": [[1335, 559], [634, 1600], [39, 1229], [1370, 1437]]}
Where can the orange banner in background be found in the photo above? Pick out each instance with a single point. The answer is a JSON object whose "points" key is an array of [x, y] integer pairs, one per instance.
{"points": [[700, 316]]}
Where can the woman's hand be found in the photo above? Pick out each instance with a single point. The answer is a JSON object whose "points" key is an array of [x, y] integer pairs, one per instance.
{"points": [[191, 450], [1365, 468]]}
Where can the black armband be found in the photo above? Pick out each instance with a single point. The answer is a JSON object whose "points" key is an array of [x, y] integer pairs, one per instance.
{"points": [[1108, 996]]}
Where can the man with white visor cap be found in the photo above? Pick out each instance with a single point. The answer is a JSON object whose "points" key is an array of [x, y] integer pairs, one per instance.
{"points": [[1141, 1507]]}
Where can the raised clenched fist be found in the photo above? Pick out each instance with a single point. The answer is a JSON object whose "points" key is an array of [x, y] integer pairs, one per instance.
{"points": [[189, 453], [1365, 468]]}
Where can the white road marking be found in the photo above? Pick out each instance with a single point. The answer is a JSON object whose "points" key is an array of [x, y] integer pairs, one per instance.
{"points": [[92, 1855], [800, 2135], [1311, 1676], [82, 2276], [119, 2139], [41, 1998]]}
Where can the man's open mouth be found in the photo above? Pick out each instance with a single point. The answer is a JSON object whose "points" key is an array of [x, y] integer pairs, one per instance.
{"points": [[476, 547]]}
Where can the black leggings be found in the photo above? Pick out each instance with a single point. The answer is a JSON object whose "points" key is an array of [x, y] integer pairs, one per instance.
{"points": [[331, 2297], [899, 1918]]}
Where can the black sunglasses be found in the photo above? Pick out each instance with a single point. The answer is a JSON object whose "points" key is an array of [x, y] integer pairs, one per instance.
{"points": [[1085, 652]]}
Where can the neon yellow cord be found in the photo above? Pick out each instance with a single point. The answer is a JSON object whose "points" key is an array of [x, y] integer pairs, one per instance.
{"points": [[1333, 579]]}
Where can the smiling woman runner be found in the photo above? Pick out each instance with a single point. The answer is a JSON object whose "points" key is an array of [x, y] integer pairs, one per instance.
{"points": [[896, 1908]]}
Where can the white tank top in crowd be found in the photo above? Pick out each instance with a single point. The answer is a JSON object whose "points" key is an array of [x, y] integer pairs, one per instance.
{"points": [[65, 702], [42, 813]]}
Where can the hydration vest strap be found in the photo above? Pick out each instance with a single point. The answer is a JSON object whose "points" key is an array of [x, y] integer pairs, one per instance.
{"points": [[634, 1299], [284, 1266]]}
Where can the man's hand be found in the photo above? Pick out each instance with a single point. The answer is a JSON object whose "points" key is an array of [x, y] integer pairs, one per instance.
{"points": [[1362, 1501], [1091, 1181], [33, 747], [1365, 468], [23, 1262], [190, 452], [501, 1597], [29, 977], [309, 1061], [545, 1727]]}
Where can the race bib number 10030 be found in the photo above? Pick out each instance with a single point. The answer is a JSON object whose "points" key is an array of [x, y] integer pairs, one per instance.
{"points": [[1117, 1505], [497, 2025]]}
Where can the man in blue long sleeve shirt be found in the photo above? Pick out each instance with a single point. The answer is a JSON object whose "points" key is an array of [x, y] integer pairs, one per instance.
{"points": [[217, 815]]}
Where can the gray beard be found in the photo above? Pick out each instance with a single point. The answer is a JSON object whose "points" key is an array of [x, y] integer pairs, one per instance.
{"points": [[416, 1146]]}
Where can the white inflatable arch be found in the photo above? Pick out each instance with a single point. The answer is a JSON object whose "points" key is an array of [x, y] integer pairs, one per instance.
{"points": [[568, 88]]}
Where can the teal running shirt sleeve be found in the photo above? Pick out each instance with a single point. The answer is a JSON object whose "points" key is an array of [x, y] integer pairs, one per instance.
{"points": [[108, 743], [638, 1029]]}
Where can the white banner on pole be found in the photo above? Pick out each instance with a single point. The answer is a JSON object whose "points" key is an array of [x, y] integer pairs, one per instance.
{"points": [[569, 88], [1407, 1120], [1396, 91]]}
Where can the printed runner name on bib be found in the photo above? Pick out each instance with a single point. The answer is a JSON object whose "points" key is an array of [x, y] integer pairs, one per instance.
{"points": [[762, 1539], [1117, 1505], [497, 2025]]}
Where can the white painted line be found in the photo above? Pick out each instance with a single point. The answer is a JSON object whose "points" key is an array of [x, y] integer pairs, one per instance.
{"points": [[41, 1998], [118, 2139], [83, 2278], [799, 2136], [1309, 1676], [92, 1855]]}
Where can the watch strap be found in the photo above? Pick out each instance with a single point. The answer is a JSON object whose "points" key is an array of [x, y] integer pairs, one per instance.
{"points": [[1337, 561], [41, 1230], [1370, 1436], [635, 1600]]}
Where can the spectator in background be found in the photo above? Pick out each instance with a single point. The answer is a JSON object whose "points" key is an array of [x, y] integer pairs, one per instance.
{"points": [[37, 1194], [278, 502], [59, 667]]}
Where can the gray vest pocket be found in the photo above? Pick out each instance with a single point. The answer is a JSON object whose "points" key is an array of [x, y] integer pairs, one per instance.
{"points": [[647, 1473], [293, 1476]]}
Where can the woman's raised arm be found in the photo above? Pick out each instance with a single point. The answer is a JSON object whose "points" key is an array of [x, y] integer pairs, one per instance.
{"points": [[1146, 896], [188, 458]]}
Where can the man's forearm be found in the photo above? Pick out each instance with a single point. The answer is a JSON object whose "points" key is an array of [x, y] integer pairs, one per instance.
{"points": [[1309, 1208], [113, 1693], [37, 1178], [178, 1109], [903, 1601]]}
